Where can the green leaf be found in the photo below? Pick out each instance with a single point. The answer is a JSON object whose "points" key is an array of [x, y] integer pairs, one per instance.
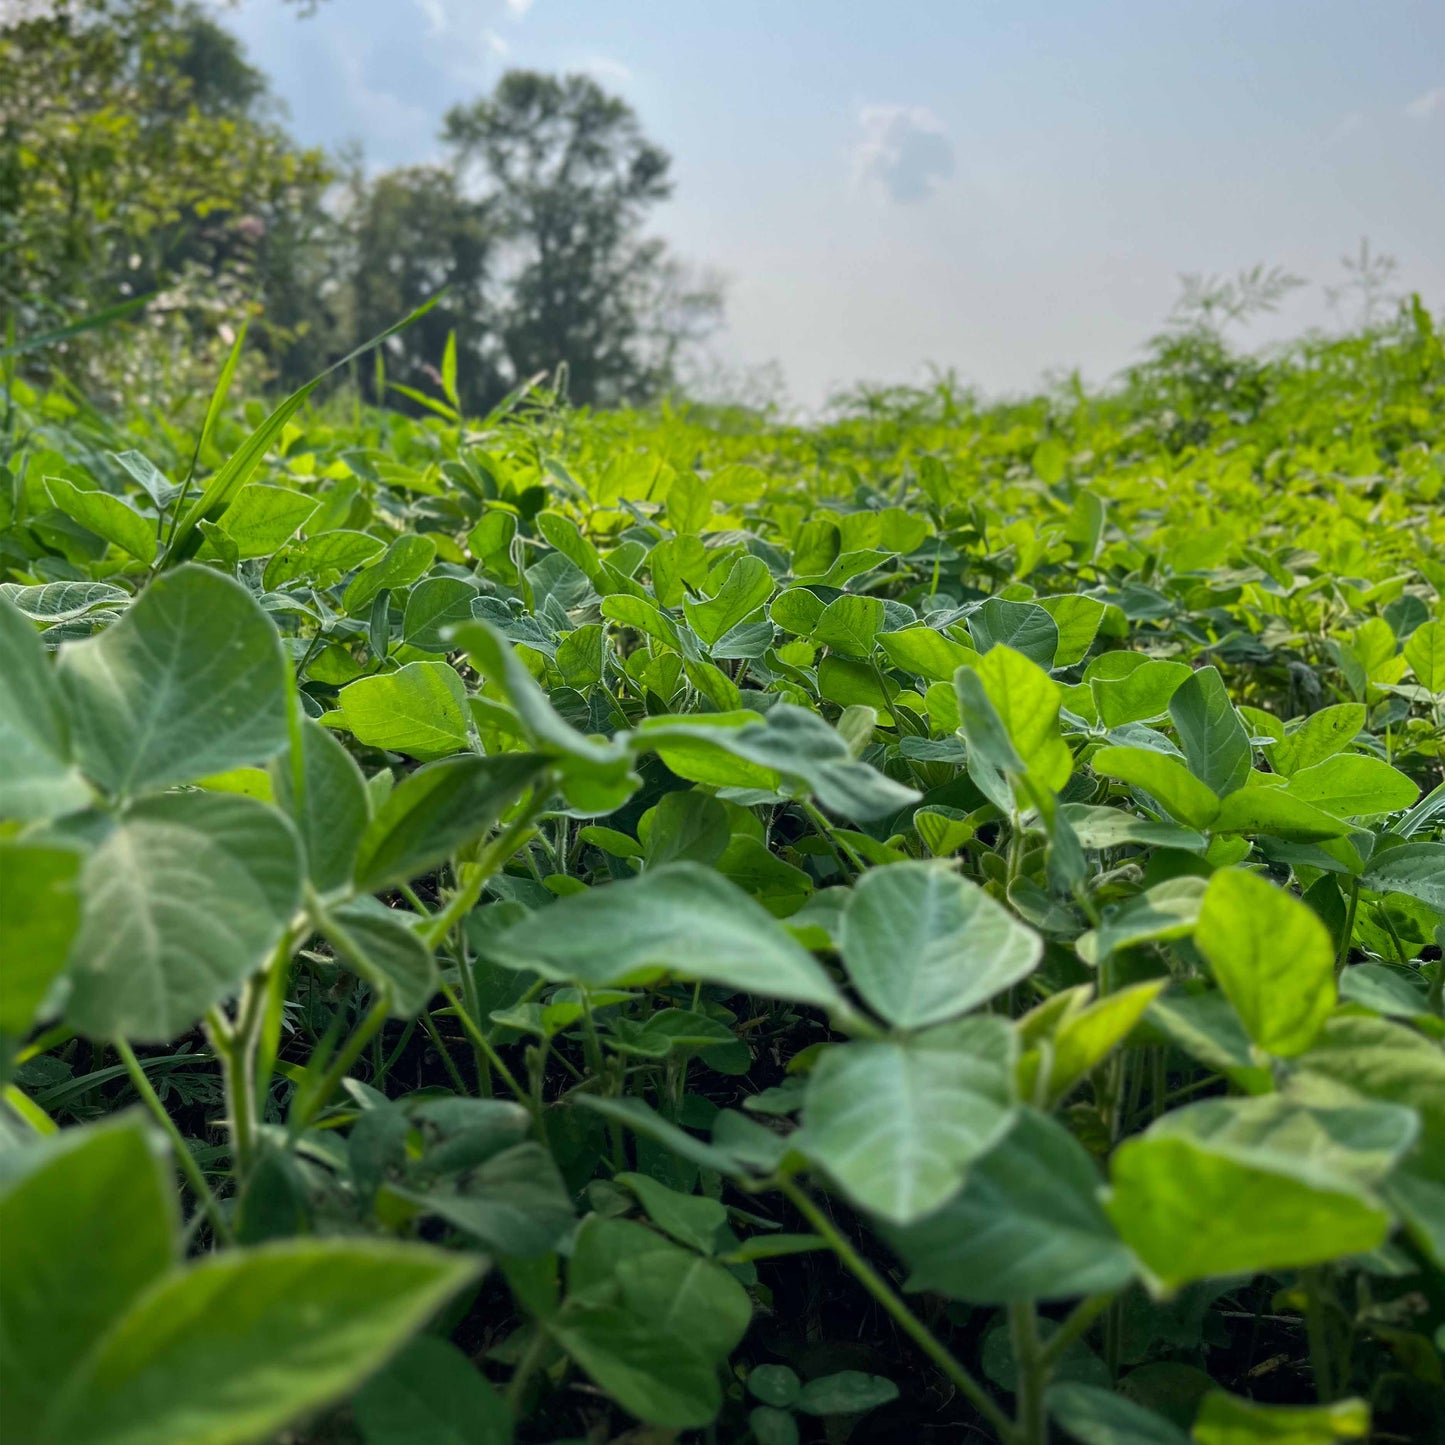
{"points": [[1276, 812], [1355, 1144], [404, 561], [433, 606], [849, 1392], [437, 809], [1025, 700], [420, 710], [191, 681], [1177, 791], [513, 1204], [382, 945], [70, 1270], [37, 926], [263, 519], [37, 779], [924, 651], [1425, 652], [692, 1219], [1027, 1225], [922, 944], [1225, 1419], [1212, 734], [320, 560], [186, 897], [747, 587], [107, 516], [234, 1348], [1416, 869], [1095, 1416], [1319, 736], [1271, 956], [1190, 1212], [1077, 619], [431, 1394], [849, 624], [1139, 695], [1354, 786], [895, 1124], [221, 490], [333, 807], [680, 918], [1024, 626]]}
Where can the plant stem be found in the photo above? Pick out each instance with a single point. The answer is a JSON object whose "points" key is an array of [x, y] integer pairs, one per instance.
{"points": [[1023, 1327], [232, 1050], [482, 1042], [527, 1366], [905, 1319], [1347, 936], [1316, 1330], [185, 1160], [1073, 1328], [304, 1112]]}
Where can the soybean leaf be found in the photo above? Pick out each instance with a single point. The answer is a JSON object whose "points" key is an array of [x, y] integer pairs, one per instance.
{"points": [[744, 591], [191, 681], [1191, 1212], [1271, 956], [57, 1301], [107, 516], [431, 1394], [1417, 869], [1319, 736], [1026, 1225], [895, 1124], [1225, 1419], [1024, 626], [183, 900], [37, 925], [333, 807], [1095, 1416], [681, 918], [437, 809], [37, 779], [234, 1348], [1211, 732], [1354, 786], [1178, 792], [420, 710], [922, 944]]}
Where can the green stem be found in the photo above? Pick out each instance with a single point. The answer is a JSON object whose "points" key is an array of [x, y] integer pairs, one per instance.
{"points": [[536, 1352], [185, 1160], [305, 1110], [1074, 1326], [830, 835], [231, 1048], [1347, 936], [439, 1044], [899, 1312], [1023, 1325], [474, 1033], [1318, 1335]]}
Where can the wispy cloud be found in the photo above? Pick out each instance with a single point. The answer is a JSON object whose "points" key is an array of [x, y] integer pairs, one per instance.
{"points": [[904, 149], [519, 7], [1424, 106], [604, 68], [1347, 125], [461, 46]]}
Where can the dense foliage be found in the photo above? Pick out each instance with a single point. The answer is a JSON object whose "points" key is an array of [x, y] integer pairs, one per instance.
{"points": [[927, 925], [141, 155]]}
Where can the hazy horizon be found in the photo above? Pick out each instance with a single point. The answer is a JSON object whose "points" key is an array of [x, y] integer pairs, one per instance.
{"points": [[1007, 191]]}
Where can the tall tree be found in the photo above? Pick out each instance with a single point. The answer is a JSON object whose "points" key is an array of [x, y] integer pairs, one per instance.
{"points": [[568, 178]]}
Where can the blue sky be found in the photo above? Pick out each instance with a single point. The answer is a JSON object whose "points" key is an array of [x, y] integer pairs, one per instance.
{"points": [[1007, 187]]}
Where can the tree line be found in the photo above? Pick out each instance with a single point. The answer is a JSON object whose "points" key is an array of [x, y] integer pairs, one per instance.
{"points": [[141, 154]]}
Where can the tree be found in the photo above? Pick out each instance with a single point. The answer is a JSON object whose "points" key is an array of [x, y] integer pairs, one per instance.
{"points": [[568, 177], [412, 233], [136, 157]]}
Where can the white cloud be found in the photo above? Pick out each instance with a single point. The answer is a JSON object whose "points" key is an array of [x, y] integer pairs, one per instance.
{"points": [[904, 149], [462, 48], [604, 68], [1424, 106], [519, 7]]}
